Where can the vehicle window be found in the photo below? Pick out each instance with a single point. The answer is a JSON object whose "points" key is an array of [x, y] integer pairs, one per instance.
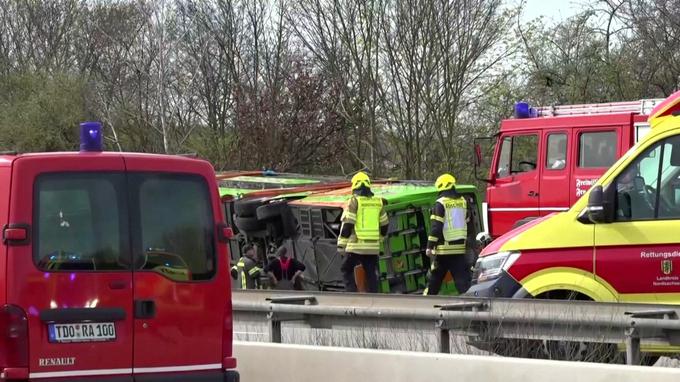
{"points": [[650, 187], [641, 130], [176, 226], [524, 150], [597, 149], [504, 158], [556, 157], [518, 154], [79, 222]]}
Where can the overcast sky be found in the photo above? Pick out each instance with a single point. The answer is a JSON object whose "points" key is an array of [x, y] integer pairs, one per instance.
{"points": [[552, 10]]}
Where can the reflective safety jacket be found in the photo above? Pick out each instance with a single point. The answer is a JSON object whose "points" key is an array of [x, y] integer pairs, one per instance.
{"points": [[448, 224], [364, 223], [249, 272]]}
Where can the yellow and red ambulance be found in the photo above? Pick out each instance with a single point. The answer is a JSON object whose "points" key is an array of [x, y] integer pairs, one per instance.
{"points": [[619, 242]]}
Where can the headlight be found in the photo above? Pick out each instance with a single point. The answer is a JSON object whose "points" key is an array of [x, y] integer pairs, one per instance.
{"points": [[490, 267]]}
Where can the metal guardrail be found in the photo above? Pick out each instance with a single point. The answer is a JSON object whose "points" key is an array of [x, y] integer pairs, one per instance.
{"points": [[476, 318]]}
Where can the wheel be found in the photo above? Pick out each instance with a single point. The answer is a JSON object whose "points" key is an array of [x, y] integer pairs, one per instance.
{"points": [[280, 214], [231, 376], [247, 207], [577, 350], [248, 224], [272, 210]]}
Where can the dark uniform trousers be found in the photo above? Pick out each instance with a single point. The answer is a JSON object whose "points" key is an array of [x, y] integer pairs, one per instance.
{"points": [[459, 268], [369, 262]]}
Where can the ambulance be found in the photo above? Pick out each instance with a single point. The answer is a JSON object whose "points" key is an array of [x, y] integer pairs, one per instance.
{"points": [[546, 158], [617, 243], [114, 267]]}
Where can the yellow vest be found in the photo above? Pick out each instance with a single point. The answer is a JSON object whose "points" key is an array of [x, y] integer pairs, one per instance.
{"points": [[365, 238], [455, 226], [367, 226]]}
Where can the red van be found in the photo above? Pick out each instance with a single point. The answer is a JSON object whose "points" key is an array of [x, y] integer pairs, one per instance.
{"points": [[546, 158], [113, 268]]}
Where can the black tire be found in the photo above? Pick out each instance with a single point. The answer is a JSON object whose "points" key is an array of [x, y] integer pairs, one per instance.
{"points": [[232, 376], [272, 210], [522, 222], [247, 207], [248, 224]]}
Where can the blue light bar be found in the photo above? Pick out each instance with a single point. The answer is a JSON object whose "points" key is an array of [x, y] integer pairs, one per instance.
{"points": [[91, 136], [522, 110]]}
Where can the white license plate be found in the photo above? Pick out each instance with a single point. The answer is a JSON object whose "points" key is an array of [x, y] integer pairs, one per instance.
{"points": [[82, 332]]}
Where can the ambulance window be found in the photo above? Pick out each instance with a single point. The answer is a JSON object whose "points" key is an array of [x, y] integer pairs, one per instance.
{"points": [[597, 149], [80, 222], [556, 157], [650, 186], [176, 226]]}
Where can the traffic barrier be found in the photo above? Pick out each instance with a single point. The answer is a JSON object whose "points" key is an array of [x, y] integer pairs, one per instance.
{"points": [[633, 326], [299, 363]]}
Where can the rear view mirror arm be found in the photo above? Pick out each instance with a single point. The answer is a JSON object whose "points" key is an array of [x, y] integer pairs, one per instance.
{"points": [[478, 159]]}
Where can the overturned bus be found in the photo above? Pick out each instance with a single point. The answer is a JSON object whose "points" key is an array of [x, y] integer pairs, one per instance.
{"points": [[306, 220]]}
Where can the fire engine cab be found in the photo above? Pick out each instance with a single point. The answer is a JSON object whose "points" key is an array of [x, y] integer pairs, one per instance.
{"points": [[114, 267], [618, 243], [546, 158]]}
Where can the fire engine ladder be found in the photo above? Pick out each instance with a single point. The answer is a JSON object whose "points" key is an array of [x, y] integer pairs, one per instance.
{"points": [[643, 107], [403, 262]]}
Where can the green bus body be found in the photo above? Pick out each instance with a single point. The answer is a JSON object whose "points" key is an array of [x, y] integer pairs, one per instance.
{"points": [[402, 266], [315, 216]]}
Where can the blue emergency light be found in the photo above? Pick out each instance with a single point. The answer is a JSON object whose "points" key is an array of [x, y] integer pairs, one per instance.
{"points": [[91, 136], [523, 110]]}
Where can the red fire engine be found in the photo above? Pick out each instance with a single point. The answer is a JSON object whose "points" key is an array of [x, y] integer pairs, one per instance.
{"points": [[546, 158], [113, 267]]}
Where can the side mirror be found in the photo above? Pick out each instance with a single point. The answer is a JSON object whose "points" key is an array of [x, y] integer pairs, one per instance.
{"points": [[600, 205], [483, 239], [595, 209], [478, 154]]}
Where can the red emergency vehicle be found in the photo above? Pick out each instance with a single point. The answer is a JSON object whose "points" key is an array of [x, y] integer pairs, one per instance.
{"points": [[547, 157], [114, 267]]}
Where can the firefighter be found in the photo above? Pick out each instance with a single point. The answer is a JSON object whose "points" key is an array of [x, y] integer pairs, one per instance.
{"points": [[446, 243], [364, 223], [248, 268]]}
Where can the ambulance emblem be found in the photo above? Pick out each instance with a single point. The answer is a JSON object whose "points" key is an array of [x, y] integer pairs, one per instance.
{"points": [[667, 267]]}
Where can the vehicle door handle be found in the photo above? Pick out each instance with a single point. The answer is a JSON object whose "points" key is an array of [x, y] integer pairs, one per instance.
{"points": [[533, 193], [145, 309]]}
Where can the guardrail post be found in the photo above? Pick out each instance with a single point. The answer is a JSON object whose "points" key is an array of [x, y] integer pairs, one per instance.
{"points": [[276, 319], [632, 346], [444, 338], [274, 329]]}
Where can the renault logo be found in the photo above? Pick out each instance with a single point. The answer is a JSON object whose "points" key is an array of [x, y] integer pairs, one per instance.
{"points": [[667, 267]]}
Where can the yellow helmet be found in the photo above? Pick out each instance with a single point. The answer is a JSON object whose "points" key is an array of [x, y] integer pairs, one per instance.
{"points": [[445, 182], [360, 179]]}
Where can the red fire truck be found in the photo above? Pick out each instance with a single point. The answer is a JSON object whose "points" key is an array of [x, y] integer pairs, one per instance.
{"points": [[114, 267], [547, 157]]}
